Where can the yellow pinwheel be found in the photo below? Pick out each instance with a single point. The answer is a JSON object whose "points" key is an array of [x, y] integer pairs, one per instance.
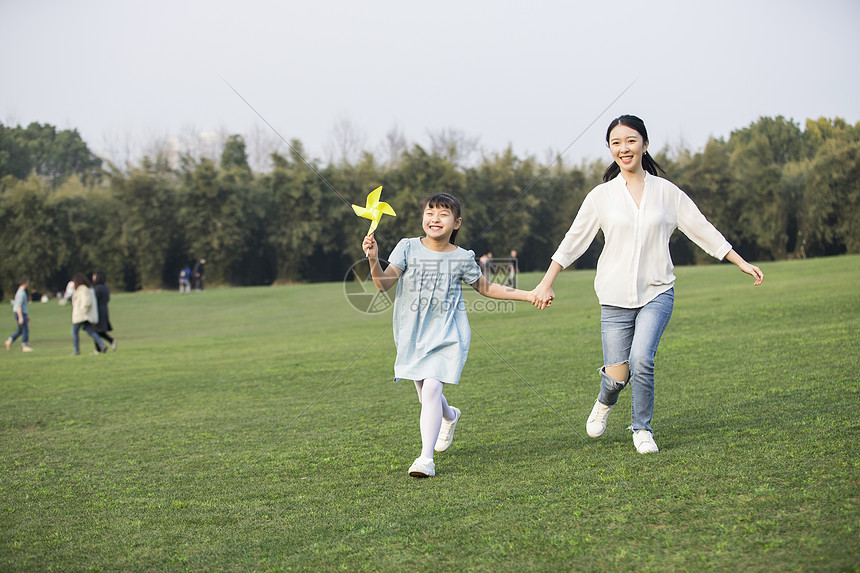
{"points": [[375, 209]]}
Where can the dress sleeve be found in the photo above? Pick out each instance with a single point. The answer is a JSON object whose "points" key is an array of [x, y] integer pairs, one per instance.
{"points": [[580, 235], [399, 254], [692, 223], [471, 272]]}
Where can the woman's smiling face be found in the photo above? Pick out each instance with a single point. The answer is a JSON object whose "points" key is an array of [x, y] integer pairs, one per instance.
{"points": [[627, 147]]}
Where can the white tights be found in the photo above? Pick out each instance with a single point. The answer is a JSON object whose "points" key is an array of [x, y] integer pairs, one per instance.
{"points": [[433, 408]]}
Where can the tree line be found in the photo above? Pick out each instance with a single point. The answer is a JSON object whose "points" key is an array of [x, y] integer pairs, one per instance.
{"points": [[775, 191]]}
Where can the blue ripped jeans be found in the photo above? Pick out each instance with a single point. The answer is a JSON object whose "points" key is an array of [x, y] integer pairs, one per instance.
{"points": [[631, 335]]}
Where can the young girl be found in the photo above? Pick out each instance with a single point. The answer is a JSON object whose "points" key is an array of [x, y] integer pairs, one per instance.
{"points": [[431, 330], [637, 212]]}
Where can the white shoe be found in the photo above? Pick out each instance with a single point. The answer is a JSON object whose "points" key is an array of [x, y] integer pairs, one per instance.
{"points": [[422, 468], [644, 442], [596, 424], [446, 433]]}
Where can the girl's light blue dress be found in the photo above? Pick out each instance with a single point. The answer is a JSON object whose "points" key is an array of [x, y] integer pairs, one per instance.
{"points": [[431, 329]]}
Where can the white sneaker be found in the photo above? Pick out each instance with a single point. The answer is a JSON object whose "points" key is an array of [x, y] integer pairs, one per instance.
{"points": [[644, 442], [596, 424], [422, 468], [446, 433]]}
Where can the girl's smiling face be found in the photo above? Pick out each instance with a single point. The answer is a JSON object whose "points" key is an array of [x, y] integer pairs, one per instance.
{"points": [[439, 222], [627, 147]]}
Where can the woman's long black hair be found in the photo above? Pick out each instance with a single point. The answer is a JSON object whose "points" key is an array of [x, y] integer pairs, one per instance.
{"points": [[648, 163], [444, 201]]}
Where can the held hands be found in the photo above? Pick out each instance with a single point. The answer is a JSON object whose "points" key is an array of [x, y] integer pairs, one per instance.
{"points": [[542, 296]]}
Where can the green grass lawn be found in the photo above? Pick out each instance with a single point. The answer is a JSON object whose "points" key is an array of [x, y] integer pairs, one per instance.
{"points": [[259, 429]]}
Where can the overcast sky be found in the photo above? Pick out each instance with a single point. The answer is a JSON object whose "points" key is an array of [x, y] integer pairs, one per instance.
{"points": [[530, 74]]}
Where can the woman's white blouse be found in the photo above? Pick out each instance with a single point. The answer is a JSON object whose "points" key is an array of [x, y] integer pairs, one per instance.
{"points": [[635, 266]]}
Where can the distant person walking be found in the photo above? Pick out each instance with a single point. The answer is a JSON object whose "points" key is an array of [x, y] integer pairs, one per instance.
{"points": [[103, 326], [21, 313], [185, 280], [198, 275], [85, 314], [638, 211]]}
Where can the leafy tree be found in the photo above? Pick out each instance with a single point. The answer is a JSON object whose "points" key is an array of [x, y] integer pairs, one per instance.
{"points": [[758, 154], [31, 243], [779, 140], [502, 193], [54, 155], [213, 217], [823, 129], [558, 196], [84, 218], [234, 157], [294, 220], [831, 200], [146, 206], [419, 175], [342, 231], [707, 179], [14, 155]]}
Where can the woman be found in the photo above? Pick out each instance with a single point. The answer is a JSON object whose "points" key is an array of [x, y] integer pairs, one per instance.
{"points": [[85, 314], [102, 300], [637, 211]]}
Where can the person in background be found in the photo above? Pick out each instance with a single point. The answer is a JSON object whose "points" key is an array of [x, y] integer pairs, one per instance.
{"points": [[85, 314], [185, 280], [102, 299], [198, 275], [22, 317], [67, 295], [513, 269]]}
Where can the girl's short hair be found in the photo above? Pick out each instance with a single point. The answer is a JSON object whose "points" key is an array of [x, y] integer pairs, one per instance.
{"points": [[99, 277], [648, 163], [444, 201]]}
